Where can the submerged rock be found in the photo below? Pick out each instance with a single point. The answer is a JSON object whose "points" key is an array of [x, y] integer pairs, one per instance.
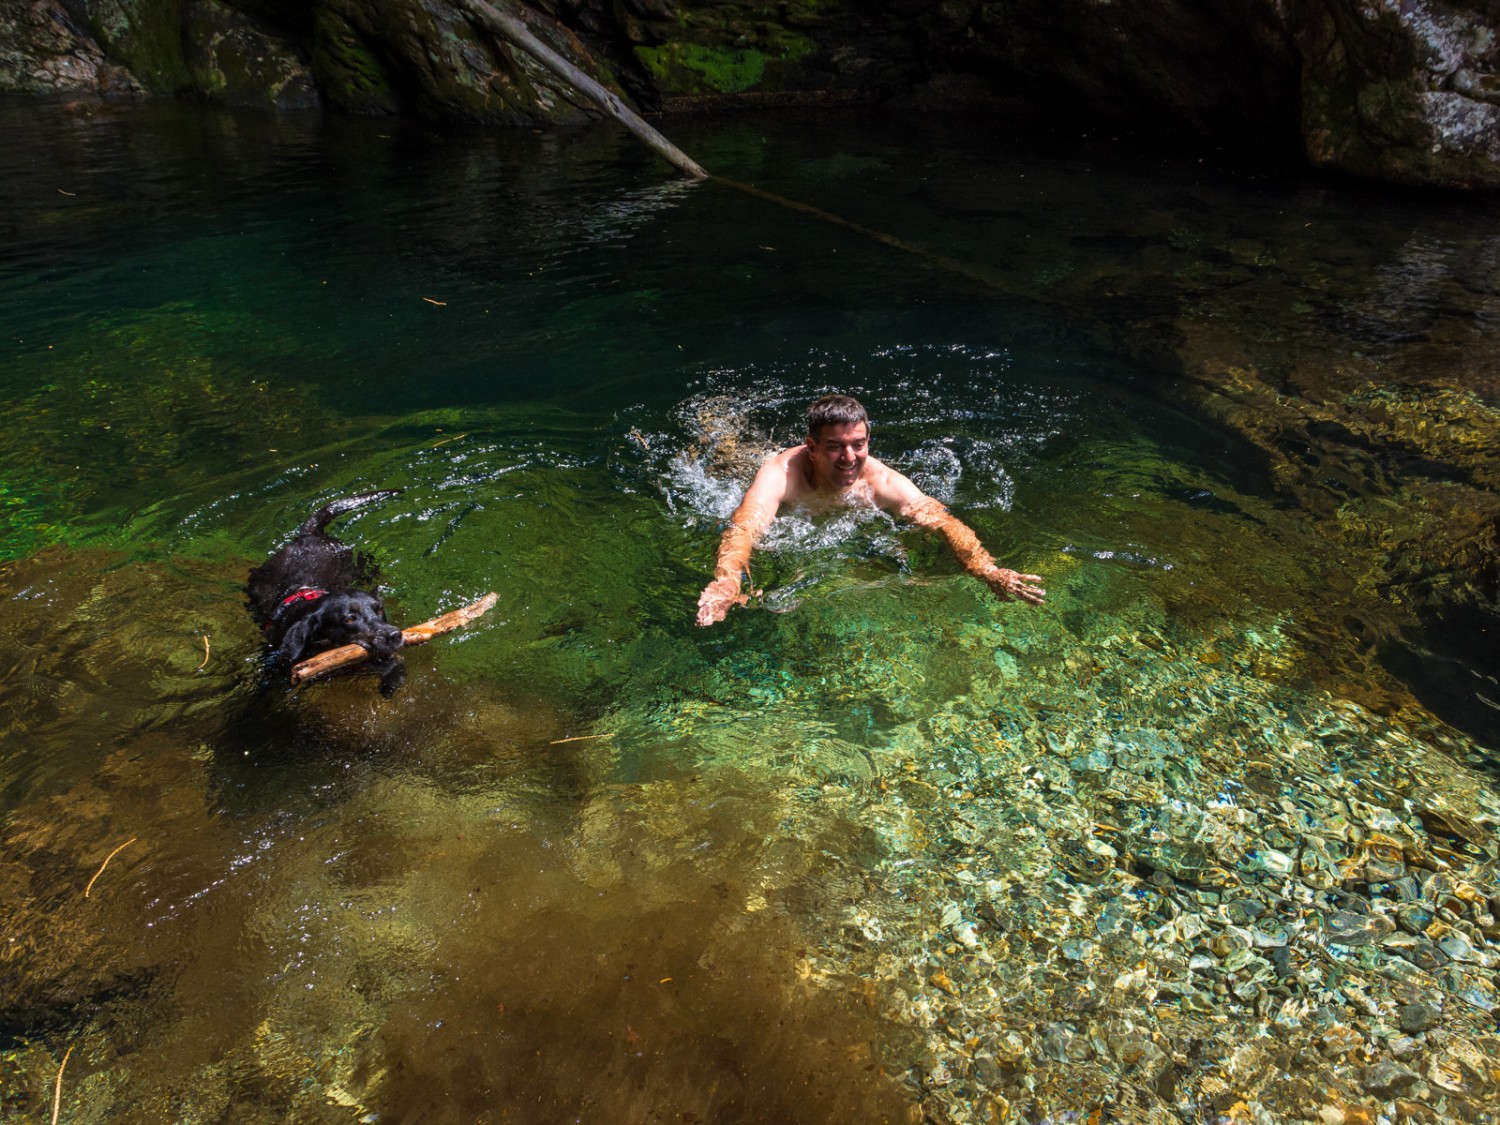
{"points": [[1418, 1017], [1346, 927], [1389, 1079]]}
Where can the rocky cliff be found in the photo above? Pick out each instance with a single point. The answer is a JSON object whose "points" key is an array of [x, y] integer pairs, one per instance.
{"points": [[1400, 90]]}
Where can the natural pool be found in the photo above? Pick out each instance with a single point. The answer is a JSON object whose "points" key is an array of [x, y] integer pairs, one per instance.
{"points": [[1207, 837]]}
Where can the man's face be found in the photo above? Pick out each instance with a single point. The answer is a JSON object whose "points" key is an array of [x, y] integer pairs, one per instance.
{"points": [[838, 454]]}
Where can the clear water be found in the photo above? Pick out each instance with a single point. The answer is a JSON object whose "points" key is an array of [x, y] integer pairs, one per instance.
{"points": [[592, 863]]}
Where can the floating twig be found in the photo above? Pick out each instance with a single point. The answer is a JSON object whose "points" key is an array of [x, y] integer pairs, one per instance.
{"points": [[580, 738], [57, 1087], [446, 440], [205, 653], [430, 301], [105, 864], [336, 658], [640, 438], [61, 192]]}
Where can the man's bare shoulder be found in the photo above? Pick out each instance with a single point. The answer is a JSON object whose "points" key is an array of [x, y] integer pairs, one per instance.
{"points": [[778, 480], [792, 454], [889, 488], [789, 469]]}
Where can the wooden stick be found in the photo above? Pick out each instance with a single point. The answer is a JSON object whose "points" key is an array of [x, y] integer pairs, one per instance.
{"points": [[510, 28], [57, 1088], [336, 658], [105, 864]]}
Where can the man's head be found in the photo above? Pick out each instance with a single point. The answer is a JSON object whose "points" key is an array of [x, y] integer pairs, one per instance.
{"points": [[835, 410], [838, 440]]}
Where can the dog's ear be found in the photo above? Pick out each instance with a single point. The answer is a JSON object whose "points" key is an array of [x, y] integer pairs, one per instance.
{"points": [[295, 640]]}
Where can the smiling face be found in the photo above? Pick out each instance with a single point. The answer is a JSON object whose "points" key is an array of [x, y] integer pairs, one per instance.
{"points": [[837, 454]]}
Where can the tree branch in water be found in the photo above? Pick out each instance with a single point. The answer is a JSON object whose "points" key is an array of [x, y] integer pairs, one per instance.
{"points": [[336, 658]]}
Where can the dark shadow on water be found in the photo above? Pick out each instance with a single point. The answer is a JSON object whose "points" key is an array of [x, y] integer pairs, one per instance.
{"points": [[1451, 667], [282, 751]]}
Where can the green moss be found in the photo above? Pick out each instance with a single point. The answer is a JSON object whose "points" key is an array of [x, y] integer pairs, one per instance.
{"points": [[146, 37], [350, 74], [788, 46], [687, 68], [27, 505], [728, 50]]}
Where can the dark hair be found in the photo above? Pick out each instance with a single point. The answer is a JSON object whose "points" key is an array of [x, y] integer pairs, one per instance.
{"points": [[835, 410]]}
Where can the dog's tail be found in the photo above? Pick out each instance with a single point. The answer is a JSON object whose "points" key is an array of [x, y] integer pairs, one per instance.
{"points": [[315, 523]]}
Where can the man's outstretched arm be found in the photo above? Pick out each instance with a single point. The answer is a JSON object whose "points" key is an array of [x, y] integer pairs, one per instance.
{"points": [[749, 522], [926, 512]]}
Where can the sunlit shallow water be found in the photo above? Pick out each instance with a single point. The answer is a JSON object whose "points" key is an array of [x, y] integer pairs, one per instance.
{"points": [[878, 846]]}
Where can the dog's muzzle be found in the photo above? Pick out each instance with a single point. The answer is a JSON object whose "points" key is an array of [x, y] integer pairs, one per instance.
{"points": [[384, 641]]}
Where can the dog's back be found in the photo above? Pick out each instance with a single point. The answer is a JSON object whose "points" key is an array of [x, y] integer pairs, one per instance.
{"points": [[312, 559]]}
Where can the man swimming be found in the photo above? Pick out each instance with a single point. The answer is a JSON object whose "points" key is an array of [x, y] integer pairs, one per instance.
{"points": [[834, 469]]}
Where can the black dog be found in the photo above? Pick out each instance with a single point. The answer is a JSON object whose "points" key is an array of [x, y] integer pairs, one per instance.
{"points": [[306, 597]]}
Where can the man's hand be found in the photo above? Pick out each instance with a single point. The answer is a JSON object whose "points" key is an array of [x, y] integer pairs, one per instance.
{"points": [[717, 599], [1007, 584]]}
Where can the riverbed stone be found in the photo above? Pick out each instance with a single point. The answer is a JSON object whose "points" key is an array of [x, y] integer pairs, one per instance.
{"points": [[1387, 1079], [1418, 1017]]}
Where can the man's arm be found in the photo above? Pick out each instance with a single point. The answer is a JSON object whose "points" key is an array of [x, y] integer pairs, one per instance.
{"points": [[749, 522], [897, 493]]}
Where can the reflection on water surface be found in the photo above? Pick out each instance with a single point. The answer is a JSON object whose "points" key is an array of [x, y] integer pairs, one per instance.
{"points": [[1200, 839]]}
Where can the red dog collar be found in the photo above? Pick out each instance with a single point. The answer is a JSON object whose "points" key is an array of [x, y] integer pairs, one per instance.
{"points": [[306, 594]]}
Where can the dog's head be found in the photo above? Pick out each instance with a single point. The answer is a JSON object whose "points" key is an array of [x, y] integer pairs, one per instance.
{"points": [[344, 617]]}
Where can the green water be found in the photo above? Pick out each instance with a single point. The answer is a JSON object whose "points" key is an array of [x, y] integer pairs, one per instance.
{"points": [[592, 863]]}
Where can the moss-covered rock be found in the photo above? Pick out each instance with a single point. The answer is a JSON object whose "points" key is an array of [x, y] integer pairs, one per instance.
{"points": [[146, 37], [349, 67], [1408, 95], [44, 49], [437, 58], [1407, 92], [234, 60], [688, 68], [42, 52]]}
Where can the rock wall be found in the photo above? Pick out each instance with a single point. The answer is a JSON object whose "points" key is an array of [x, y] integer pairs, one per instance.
{"points": [[1401, 90]]}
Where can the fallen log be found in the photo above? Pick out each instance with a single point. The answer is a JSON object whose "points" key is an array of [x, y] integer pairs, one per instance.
{"points": [[512, 29], [510, 26], [336, 658]]}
